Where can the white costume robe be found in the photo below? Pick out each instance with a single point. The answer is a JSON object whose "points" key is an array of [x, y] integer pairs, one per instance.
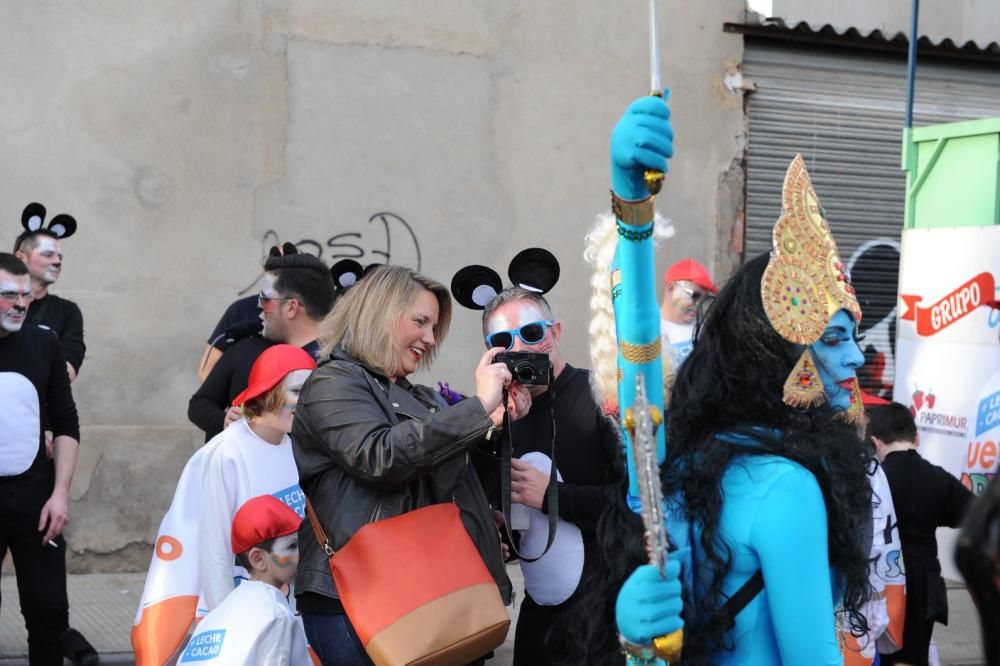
{"points": [[253, 625]]}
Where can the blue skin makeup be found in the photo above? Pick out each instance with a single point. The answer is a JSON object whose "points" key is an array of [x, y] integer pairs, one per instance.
{"points": [[837, 358]]}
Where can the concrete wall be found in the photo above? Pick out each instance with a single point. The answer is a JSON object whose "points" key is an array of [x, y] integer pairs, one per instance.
{"points": [[958, 20], [187, 137]]}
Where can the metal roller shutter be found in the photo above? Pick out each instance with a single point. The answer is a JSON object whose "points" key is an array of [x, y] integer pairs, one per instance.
{"points": [[843, 110]]}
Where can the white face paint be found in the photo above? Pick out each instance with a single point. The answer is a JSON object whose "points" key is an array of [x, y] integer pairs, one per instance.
{"points": [[284, 558], [293, 387], [15, 297], [270, 311], [45, 262], [515, 314]]}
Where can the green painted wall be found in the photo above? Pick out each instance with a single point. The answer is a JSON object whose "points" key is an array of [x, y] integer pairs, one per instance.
{"points": [[953, 174]]}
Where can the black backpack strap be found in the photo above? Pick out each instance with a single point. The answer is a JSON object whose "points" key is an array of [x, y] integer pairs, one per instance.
{"points": [[743, 596]]}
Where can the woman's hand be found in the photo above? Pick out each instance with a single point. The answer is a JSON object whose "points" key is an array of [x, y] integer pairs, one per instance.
{"points": [[650, 605], [518, 404], [491, 378]]}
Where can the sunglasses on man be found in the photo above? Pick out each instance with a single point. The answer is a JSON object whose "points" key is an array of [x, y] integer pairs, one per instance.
{"points": [[263, 298], [530, 334]]}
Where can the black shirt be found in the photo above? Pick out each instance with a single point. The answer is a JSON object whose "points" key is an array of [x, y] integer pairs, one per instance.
{"points": [[586, 445], [34, 389], [63, 317], [925, 497], [241, 312]]}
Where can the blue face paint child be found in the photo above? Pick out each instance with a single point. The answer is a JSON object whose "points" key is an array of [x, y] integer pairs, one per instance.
{"points": [[837, 359]]}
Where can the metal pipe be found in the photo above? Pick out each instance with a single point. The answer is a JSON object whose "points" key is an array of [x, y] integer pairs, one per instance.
{"points": [[911, 60]]}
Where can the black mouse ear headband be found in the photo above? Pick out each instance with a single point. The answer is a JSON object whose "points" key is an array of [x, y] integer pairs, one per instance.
{"points": [[283, 251], [33, 221], [535, 269], [346, 273]]}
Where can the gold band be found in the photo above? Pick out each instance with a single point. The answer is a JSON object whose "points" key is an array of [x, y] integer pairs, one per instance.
{"points": [[633, 213], [641, 354], [669, 647]]}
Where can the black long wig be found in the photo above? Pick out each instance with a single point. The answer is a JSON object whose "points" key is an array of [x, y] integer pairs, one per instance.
{"points": [[732, 383]]}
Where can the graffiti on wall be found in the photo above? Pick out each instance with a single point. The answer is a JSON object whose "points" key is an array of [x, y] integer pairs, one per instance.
{"points": [[874, 269], [385, 238]]}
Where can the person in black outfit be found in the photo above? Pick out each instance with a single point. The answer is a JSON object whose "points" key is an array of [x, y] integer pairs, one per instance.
{"points": [[241, 318], [925, 497], [586, 444], [297, 293], [34, 490], [40, 249]]}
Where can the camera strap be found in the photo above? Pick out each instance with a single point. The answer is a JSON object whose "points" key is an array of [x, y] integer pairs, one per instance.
{"points": [[551, 493]]}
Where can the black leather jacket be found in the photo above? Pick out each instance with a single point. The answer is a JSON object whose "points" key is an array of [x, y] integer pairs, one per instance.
{"points": [[367, 449]]}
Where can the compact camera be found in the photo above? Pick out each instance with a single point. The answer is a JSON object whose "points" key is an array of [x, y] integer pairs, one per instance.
{"points": [[527, 368]]}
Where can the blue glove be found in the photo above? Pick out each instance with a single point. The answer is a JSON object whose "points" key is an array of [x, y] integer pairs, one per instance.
{"points": [[649, 605], [643, 139]]}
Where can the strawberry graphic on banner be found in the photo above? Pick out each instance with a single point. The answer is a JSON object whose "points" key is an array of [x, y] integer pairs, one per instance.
{"points": [[960, 302]]}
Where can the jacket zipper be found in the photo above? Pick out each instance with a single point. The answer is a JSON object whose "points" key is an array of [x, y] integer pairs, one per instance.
{"points": [[378, 506]]}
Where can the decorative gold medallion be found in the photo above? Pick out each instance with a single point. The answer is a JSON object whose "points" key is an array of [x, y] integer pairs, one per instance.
{"points": [[803, 388], [792, 303]]}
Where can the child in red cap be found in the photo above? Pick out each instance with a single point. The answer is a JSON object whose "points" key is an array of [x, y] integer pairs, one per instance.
{"points": [[192, 568], [254, 624]]}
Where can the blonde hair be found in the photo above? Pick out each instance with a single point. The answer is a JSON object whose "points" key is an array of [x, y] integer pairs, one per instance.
{"points": [[268, 402], [364, 320], [601, 243]]}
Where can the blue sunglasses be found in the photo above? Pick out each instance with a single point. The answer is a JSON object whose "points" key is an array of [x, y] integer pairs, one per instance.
{"points": [[530, 334]]}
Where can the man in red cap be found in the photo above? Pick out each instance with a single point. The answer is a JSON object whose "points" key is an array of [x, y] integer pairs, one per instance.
{"points": [[254, 624], [687, 283]]}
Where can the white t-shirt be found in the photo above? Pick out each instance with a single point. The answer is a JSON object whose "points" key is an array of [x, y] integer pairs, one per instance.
{"points": [[253, 625], [552, 579], [677, 339], [240, 468]]}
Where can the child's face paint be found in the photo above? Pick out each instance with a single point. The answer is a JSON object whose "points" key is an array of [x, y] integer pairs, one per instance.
{"points": [[293, 386], [284, 558]]}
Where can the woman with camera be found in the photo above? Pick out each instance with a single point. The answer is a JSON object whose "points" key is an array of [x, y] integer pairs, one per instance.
{"points": [[370, 445]]}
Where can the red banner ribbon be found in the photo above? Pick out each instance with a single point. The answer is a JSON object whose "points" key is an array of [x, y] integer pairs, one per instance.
{"points": [[960, 302]]}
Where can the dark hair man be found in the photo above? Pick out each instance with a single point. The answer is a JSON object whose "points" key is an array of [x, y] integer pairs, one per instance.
{"points": [[587, 445], [925, 497], [297, 293], [34, 491]]}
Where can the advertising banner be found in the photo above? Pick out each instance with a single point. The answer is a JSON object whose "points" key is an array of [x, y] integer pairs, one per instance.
{"points": [[948, 352]]}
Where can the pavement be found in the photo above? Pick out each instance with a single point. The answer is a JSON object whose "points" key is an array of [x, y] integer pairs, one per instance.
{"points": [[103, 606]]}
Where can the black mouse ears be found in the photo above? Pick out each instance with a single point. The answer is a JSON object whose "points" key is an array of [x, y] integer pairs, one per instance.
{"points": [[284, 250], [347, 272], [535, 269], [33, 220]]}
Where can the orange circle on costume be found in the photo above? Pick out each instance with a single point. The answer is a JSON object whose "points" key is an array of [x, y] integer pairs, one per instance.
{"points": [[168, 548]]}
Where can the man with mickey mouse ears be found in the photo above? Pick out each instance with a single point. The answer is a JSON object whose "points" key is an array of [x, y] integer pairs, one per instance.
{"points": [[563, 416]]}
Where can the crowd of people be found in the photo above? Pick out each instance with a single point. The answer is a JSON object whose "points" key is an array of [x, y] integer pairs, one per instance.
{"points": [[791, 506]]}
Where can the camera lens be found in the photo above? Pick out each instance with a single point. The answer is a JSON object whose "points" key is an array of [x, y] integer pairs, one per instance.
{"points": [[524, 373]]}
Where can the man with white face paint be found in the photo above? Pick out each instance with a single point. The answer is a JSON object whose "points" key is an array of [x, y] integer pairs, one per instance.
{"points": [[41, 252], [34, 491], [520, 320], [297, 291], [687, 283]]}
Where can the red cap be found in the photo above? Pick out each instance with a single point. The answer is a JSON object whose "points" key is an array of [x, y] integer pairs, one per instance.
{"points": [[262, 518], [869, 399], [692, 271], [271, 367]]}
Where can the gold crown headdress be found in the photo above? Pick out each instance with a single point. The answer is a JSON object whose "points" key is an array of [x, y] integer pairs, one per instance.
{"points": [[805, 284]]}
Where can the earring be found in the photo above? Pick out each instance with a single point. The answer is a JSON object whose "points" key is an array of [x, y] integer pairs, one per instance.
{"points": [[803, 388]]}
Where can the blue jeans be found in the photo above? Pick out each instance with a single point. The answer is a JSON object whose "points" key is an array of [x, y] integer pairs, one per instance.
{"points": [[333, 640]]}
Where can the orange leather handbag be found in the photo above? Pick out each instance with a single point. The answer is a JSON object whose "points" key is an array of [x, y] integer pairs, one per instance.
{"points": [[416, 589]]}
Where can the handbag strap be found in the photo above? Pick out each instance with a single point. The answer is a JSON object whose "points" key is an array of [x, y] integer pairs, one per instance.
{"points": [[551, 492], [324, 541]]}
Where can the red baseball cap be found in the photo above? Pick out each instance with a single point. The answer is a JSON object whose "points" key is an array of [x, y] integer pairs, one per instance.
{"points": [[868, 399], [692, 271], [271, 367], [262, 518]]}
